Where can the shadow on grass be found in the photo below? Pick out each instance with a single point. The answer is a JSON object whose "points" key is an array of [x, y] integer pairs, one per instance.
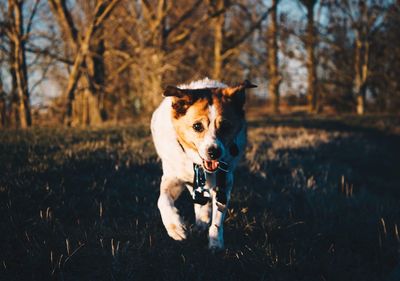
{"points": [[370, 124], [94, 217]]}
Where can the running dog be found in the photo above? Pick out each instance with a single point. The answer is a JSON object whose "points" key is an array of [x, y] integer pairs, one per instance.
{"points": [[199, 131]]}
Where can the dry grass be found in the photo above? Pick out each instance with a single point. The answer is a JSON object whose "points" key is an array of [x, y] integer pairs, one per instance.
{"points": [[315, 199]]}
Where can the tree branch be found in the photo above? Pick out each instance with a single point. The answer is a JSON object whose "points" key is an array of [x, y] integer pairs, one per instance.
{"points": [[184, 17], [49, 54], [254, 26], [33, 13], [65, 21]]}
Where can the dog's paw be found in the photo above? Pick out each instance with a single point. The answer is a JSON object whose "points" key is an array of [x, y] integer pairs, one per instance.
{"points": [[176, 231], [216, 239]]}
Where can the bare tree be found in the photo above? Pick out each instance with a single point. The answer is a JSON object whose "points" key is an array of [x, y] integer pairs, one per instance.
{"points": [[310, 50], [359, 19], [364, 19], [17, 36], [3, 108], [83, 69], [273, 64], [384, 59], [226, 45], [155, 42], [218, 39]]}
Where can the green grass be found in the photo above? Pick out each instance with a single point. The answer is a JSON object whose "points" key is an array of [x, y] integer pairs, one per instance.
{"points": [[315, 199]]}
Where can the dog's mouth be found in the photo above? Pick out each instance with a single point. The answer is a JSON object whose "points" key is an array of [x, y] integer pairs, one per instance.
{"points": [[210, 165]]}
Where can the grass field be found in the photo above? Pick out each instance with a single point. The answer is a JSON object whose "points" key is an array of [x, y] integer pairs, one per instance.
{"points": [[315, 199]]}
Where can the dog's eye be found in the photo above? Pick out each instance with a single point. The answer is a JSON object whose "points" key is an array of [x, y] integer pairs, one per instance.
{"points": [[198, 127]]}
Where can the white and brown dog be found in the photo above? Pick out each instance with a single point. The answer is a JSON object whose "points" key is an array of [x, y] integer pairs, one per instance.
{"points": [[199, 131]]}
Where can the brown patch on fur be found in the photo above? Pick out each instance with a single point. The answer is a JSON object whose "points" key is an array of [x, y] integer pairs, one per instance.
{"points": [[175, 191], [196, 112], [182, 99], [172, 187]]}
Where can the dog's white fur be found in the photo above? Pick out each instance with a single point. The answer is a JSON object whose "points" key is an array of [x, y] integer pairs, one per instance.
{"points": [[204, 83], [177, 165]]}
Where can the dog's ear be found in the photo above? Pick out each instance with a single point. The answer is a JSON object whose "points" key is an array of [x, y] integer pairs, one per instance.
{"points": [[172, 91], [181, 99], [237, 94], [232, 91]]}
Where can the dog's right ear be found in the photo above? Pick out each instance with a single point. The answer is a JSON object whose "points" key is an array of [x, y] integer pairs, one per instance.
{"points": [[172, 91], [181, 100]]}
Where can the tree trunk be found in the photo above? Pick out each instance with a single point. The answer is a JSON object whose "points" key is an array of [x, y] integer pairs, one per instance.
{"points": [[96, 88], [310, 63], [88, 68], [218, 40], [357, 77], [13, 111], [3, 108], [22, 86], [71, 86], [274, 79], [19, 67], [361, 72]]}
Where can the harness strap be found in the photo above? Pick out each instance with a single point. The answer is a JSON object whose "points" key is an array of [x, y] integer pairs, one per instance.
{"points": [[201, 195]]}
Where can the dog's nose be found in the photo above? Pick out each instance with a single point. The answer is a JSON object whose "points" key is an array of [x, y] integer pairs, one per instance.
{"points": [[214, 152]]}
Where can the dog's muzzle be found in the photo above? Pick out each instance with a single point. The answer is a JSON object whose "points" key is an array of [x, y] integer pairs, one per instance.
{"points": [[211, 165]]}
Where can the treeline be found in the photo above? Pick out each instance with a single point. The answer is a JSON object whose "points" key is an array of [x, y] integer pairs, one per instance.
{"points": [[95, 61]]}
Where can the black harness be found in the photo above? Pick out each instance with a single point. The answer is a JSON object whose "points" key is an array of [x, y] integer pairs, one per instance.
{"points": [[201, 195]]}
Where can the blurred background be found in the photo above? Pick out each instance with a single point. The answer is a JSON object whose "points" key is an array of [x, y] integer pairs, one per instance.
{"points": [[94, 62]]}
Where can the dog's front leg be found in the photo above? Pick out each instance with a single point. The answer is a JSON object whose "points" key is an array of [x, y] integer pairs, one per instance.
{"points": [[203, 215], [170, 190], [216, 230]]}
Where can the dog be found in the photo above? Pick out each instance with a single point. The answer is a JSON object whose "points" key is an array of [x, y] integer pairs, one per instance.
{"points": [[199, 132]]}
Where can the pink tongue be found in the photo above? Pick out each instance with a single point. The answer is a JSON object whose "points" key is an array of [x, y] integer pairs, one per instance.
{"points": [[211, 165]]}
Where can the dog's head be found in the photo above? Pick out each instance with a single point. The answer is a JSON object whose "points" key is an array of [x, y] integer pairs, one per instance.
{"points": [[207, 120]]}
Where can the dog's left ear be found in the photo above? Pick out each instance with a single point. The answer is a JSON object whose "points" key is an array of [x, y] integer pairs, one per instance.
{"points": [[232, 91], [237, 94], [172, 91]]}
